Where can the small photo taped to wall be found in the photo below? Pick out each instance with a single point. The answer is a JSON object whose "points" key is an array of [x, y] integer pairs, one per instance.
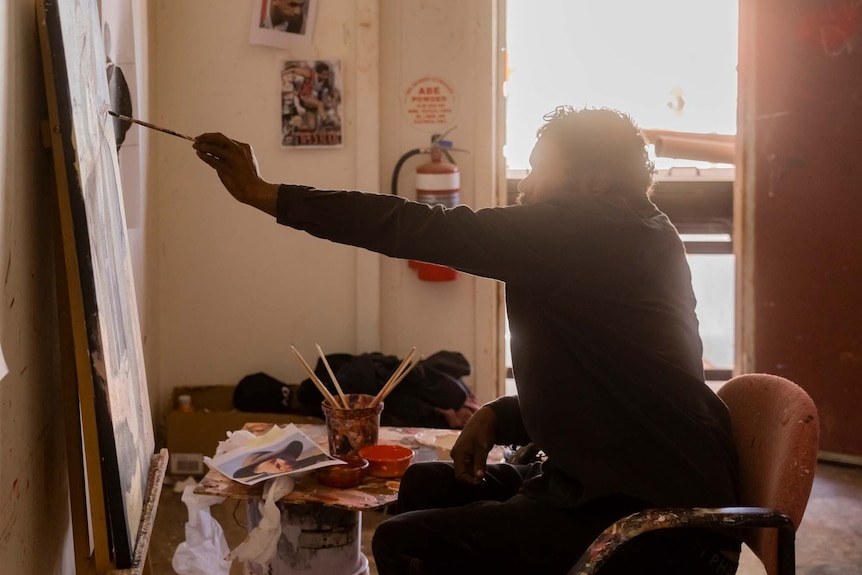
{"points": [[282, 23], [311, 104]]}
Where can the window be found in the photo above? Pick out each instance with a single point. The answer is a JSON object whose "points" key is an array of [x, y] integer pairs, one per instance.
{"points": [[671, 65]]}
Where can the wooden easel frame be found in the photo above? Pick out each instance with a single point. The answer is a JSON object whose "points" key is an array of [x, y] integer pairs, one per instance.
{"points": [[90, 526]]}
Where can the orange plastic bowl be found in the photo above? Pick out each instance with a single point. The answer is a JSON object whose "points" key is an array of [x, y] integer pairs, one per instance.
{"points": [[387, 460], [343, 476]]}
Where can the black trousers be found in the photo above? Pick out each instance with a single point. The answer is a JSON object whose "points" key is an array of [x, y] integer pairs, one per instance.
{"points": [[447, 527]]}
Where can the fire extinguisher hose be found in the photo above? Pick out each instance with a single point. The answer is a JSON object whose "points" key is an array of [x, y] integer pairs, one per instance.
{"points": [[398, 165]]}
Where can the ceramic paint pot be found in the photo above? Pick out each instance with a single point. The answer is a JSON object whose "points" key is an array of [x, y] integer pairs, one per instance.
{"points": [[387, 460]]}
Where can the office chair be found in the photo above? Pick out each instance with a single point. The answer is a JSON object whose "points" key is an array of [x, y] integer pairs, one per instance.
{"points": [[776, 431]]}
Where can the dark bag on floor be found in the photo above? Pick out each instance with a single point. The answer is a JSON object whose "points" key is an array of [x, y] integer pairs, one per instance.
{"points": [[262, 393]]}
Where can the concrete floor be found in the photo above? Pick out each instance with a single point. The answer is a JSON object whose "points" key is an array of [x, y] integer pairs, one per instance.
{"points": [[829, 540]]}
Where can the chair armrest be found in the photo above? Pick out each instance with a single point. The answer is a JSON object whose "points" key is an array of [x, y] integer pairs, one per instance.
{"points": [[724, 518]]}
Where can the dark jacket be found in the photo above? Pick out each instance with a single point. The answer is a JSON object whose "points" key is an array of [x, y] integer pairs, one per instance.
{"points": [[605, 345]]}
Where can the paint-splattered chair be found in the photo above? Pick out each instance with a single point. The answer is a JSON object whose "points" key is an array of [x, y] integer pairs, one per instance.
{"points": [[776, 431]]}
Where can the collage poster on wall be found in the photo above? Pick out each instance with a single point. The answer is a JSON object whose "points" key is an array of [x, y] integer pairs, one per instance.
{"points": [[311, 104]]}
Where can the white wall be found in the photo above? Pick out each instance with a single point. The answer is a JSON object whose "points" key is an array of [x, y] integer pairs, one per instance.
{"points": [[35, 525], [456, 42], [234, 289]]}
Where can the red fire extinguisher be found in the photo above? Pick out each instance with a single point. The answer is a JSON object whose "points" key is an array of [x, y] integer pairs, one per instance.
{"points": [[437, 182]]}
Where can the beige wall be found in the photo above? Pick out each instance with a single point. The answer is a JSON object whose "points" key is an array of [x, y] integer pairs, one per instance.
{"points": [[457, 42], [142, 238], [234, 289], [222, 290], [35, 526]]}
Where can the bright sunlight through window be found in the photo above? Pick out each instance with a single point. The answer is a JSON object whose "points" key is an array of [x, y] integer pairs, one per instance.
{"points": [[670, 64]]}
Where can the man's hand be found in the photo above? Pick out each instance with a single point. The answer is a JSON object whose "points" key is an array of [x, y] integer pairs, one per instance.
{"points": [[473, 445], [237, 169]]}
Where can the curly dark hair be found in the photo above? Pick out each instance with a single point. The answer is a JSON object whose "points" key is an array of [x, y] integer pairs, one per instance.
{"points": [[602, 139]]}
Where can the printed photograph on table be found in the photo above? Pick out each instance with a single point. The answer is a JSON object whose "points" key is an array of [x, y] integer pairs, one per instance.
{"points": [[311, 110], [280, 23], [281, 451]]}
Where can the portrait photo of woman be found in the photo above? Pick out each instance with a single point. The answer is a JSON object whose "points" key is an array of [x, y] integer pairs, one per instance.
{"points": [[288, 451]]}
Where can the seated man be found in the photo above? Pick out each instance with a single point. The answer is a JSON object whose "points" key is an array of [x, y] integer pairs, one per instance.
{"points": [[605, 350]]}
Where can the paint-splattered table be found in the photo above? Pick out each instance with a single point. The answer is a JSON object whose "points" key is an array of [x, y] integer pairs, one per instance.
{"points": [[321, 526], [372, 493]]}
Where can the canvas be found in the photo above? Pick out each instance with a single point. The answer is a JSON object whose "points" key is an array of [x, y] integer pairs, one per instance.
{"points": [[115, 362]]}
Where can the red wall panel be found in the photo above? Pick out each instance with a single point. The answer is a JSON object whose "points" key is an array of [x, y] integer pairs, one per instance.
{"points": [[800, 189]]}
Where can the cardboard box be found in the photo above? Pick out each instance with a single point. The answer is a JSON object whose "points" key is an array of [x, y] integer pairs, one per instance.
{"points": [[191, 436]]}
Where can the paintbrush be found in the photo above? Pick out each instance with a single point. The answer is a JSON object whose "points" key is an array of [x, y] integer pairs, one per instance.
{"points": [[314, 379], [150, 126], [396, 377], [334, 380]]}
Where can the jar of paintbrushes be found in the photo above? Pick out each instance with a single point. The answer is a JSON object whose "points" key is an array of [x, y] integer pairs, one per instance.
{"points": [[353, 420]]}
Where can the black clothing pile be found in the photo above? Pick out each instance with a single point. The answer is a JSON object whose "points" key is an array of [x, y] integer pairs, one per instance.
{"points": [[262, 393], [435, 382]]}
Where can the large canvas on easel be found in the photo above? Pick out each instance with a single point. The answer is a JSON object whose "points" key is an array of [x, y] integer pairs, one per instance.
{"points": [[115, 362]]}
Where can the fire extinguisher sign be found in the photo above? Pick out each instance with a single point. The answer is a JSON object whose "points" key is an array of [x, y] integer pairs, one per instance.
{"points": [[429, 103]]}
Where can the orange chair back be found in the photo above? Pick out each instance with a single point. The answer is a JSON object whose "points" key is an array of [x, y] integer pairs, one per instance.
{"points": [[777, 431]]}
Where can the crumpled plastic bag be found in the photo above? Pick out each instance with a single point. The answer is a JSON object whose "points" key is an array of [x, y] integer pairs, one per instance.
{"points": [[180, 486], [205, 549], [235, 439], [262, 542]]}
